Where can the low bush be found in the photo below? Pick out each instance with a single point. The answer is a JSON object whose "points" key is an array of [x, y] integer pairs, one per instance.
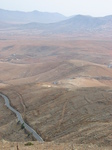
{"points": [[28, 144]]}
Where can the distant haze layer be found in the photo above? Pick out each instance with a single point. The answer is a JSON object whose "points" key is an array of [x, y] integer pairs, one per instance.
{"points": [[55, 23], [68, 7]]}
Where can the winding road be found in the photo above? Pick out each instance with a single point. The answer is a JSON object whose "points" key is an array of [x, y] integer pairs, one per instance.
{"points": [[20, 119]]}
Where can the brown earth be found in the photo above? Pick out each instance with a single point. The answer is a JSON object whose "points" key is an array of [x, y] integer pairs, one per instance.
{"points": [[63, 89], [49, 146]]}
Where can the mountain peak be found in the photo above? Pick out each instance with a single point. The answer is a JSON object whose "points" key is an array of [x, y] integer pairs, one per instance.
{"points": [[27, 17]]}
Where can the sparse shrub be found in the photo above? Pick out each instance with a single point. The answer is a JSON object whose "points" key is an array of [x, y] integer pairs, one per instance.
{"points": [[18, 122], [28, 144], [22, 126]]}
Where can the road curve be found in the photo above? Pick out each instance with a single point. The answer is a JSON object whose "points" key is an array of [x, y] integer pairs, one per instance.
{"points": [[20, 119]]}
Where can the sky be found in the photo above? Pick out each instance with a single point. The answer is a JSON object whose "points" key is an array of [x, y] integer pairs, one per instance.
{"points": [[65, 7]]}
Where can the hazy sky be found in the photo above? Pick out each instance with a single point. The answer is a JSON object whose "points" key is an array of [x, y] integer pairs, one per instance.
{"points": [[66, 7]]}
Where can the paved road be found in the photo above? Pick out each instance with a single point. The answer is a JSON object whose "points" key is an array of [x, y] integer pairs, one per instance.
{"points": [[20, 119]]}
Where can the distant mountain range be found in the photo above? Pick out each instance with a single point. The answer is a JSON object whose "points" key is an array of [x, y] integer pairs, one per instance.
{"points": [[26, 17], [75, 24], [54, 23]]}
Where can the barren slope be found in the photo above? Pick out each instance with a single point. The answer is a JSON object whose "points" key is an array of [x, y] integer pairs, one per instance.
{"points": [[62, 88]]}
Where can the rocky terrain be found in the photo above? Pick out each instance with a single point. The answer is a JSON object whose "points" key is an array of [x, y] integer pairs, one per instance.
{"points": [[62, 86]]}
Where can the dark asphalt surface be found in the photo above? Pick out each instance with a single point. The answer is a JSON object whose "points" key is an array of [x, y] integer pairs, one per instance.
{"points": [[20, 119]]}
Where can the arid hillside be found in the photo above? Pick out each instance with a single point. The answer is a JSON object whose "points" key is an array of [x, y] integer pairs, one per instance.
{"points": [[61, 86]]}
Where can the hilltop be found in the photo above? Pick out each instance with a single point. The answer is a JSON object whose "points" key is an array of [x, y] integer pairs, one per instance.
{"points": [[9, 16], [59, 77]]}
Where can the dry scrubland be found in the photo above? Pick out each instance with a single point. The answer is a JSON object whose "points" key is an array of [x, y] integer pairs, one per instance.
{"points": [[63, 89]]}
